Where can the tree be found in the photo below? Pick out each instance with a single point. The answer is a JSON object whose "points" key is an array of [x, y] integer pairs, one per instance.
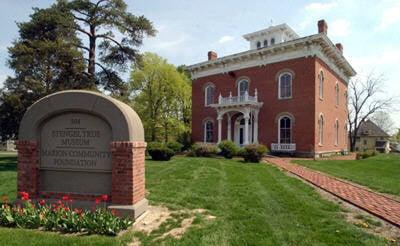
{"points": [[365, 99], [44, 59], [161, 96], [384, 121], [112, 36]]}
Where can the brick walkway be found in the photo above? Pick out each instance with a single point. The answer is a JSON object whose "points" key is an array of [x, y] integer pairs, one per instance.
{"points": [[374, 203]]}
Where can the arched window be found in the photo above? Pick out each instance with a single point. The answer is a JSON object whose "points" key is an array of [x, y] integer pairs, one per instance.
{"points": [[337, 93], [321, 129], [265, 43], [208, 131], [336, 126], [209, 95], [258, 44], [272, 41], [285, 86], [243, 86], [285, 130], [321, 85]]}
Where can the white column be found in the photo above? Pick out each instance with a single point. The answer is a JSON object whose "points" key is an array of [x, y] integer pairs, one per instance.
{"points": [[246, 128], [219, 128], [255, 126], [229, 127]]}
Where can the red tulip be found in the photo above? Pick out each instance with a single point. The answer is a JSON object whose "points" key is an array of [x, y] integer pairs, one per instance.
{"points": [[98, 200], [65, 198], [42, 202], [104, 197]]}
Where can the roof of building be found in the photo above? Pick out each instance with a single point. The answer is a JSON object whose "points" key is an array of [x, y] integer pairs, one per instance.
{"points": [[369, 128], [315, 45]]}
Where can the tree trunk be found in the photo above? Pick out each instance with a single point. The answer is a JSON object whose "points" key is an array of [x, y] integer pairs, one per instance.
{"points": [[92, 52], [166, 132]]}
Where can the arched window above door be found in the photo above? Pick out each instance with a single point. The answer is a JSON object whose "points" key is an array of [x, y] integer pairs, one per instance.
{"points": [[243, 86]]}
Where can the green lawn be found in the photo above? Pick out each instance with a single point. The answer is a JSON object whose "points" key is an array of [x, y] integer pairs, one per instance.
{"points": [[254, 204], [380, 173]]}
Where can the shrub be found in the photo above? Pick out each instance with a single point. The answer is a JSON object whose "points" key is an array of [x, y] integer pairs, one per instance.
{"points": [[175, 146], [159, 152], [228, 149], [204, 150], [60, 217], [253, 152], [365, 154]]}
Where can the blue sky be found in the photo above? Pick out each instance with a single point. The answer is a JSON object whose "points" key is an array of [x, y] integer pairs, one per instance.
{"points": [[368, 30]]}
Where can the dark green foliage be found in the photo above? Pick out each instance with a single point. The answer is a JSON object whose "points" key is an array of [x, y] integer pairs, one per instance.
{"points": [[175, 146], [228, 149], [203, 150], [112, 37], [365, 154], [45, 59], [253, 152], [159, 151]]}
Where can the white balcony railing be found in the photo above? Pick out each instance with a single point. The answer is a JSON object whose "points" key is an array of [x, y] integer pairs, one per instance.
{"points": [[283, 147], [238, 99]]}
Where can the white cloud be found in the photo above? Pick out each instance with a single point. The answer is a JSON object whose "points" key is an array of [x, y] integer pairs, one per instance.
{"points": [[387, 57], [225, 39], [390, 16], [320, 6], [339, 28], [2, 79]]}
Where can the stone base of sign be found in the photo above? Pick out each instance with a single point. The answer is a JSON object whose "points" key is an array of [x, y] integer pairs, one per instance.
{"points": [[132, 211], [128, 178]]}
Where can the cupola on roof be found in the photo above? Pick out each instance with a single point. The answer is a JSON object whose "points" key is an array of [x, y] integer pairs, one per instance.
{"points": [[270, 36]]}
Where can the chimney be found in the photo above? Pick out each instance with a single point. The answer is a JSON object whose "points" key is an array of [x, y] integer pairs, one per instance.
{"points": [[339, 46], [322, 27], [212, 56]]}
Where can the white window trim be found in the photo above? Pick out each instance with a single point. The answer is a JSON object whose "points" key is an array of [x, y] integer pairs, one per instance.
{"points": [[205, 94], [321, 84], [337, 94], [321, 129], [336, 126], [279, 128], [279, 86]]}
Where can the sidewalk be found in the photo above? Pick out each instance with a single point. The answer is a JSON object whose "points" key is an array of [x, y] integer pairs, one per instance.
{"points": [[373, 202]]}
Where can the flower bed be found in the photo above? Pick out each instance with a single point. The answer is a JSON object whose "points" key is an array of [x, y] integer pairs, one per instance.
{"points": [[62, 218]]}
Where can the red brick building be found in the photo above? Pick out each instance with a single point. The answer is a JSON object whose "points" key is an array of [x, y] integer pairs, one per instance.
{"points": [[287, 92]]}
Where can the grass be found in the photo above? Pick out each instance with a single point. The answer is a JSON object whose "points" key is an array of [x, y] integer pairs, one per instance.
{"points": [[254, 204], [380, 173]]}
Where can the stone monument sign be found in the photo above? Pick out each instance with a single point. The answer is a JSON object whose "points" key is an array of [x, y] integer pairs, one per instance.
{"points": [[83, 144]]}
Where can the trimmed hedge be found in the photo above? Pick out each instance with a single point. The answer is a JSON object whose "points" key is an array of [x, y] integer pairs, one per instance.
{"points": [[175, 146], [228, 149], [203, 150], [365, 154], [159, 151], [253, 152]]}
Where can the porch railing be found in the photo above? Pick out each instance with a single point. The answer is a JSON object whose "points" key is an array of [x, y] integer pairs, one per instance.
{"points": [[246, 98], [283, 147]]}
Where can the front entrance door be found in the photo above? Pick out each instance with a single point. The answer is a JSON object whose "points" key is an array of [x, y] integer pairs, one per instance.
{"points": [[239, 131]]}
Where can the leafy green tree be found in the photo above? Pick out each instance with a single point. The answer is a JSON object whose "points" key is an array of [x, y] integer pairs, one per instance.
{"points": [[111, 34], [162, 97], [44, 59]]}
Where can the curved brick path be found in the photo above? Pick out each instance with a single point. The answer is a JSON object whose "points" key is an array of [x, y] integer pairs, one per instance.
{"points": [[377, 204]]}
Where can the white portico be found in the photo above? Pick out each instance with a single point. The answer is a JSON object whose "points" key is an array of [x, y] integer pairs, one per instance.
{"points": [[246, 108]]}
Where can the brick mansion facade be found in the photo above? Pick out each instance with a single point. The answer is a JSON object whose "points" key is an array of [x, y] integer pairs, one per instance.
{"points": [[287, 92]]}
